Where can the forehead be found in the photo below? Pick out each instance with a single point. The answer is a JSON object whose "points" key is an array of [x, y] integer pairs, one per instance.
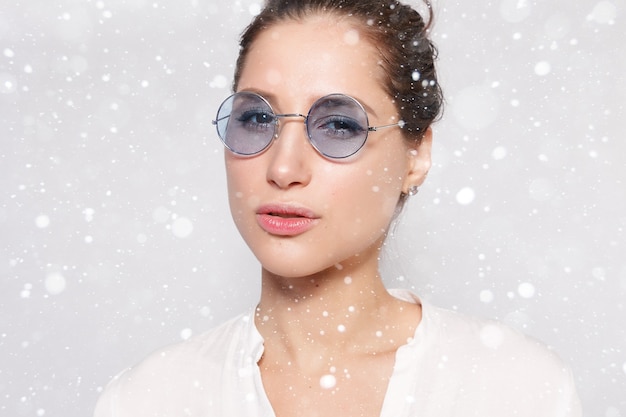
{"points": [[318, 55]]}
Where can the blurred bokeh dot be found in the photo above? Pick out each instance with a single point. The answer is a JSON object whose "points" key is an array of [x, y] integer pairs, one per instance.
{"points": [[542, 68], [465, 196], [486, 296], [55, 283], [526, 290], [42, 221], [182, 227], [514, 11], [475, 107]]}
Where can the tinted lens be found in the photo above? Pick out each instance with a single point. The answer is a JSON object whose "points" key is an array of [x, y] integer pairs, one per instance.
{"points": [[246, 123], [337, 126]]}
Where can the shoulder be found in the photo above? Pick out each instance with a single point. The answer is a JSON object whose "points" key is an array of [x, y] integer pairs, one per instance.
{"points": [[484, 339], [488, 356], [176, 374]]}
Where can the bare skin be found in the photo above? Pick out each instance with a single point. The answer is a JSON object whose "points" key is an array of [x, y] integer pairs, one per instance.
{"points": [[330, 349], [330, 327]]}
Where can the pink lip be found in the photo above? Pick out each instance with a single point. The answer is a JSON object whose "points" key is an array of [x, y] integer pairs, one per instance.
{"points": [[285, 220]]}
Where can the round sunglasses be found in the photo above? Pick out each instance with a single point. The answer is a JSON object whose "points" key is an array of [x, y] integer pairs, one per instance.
{"points": [[337, 124]]}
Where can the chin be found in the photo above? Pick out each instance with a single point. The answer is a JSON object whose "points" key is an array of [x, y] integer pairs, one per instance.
{"points": [[286, 271], [294, 268]]}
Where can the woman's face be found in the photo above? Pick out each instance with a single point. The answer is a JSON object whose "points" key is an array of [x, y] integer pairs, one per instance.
{"points": [[299, 212]]}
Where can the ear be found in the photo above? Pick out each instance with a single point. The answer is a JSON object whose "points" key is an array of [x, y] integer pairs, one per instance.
{"points": [[419, 161]]}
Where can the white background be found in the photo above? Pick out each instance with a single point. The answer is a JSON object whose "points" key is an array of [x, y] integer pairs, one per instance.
{"points": [[115, 235]]}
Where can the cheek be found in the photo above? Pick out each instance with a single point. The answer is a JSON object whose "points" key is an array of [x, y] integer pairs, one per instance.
{"points": [[386, 177], [369, 195], [240, 195], [238, 175]]}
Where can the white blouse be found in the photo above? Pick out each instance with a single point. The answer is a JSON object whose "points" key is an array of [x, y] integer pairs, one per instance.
{"points": [[454, 366]]}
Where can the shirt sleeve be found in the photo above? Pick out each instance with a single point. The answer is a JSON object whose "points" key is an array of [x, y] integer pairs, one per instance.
{"points": [[108, 402], [571, 406]]}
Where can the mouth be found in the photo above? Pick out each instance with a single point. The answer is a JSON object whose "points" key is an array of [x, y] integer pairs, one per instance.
{"points": [[285, 220], [286, 211], [284, 215]]}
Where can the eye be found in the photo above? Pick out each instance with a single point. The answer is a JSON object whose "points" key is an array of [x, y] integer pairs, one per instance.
{"points": [[256, 118], [338, 127]]}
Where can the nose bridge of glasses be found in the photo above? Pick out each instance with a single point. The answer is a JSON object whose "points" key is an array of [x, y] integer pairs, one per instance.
{"points": [[287, 116]]}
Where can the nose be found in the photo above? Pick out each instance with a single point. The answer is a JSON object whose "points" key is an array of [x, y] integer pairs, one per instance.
{"points": [[289, 155]]}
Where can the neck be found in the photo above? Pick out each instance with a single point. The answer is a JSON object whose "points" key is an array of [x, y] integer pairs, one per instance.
{"points": [[334, 314]]}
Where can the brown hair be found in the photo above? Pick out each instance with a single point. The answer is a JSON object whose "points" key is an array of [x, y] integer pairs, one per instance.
{"points": [[401, 37]]}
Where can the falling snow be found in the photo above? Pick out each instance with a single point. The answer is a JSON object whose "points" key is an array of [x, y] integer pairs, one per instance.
{"points": [[475, 107], [465, 196], [526, 290], [42, 221], [328, 381], [542, 68], [603, 12], [182, 227], [55, 283], [116, 231]]}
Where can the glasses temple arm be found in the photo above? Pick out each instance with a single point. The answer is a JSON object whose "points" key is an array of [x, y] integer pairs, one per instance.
{"points": [[219, 120], [401, 124]]}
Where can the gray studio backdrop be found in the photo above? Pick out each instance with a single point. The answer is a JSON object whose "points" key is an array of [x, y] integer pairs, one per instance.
{"points": [[115, 235]]}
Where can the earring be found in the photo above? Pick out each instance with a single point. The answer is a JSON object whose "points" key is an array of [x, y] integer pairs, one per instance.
{"points": [[414, 189]]}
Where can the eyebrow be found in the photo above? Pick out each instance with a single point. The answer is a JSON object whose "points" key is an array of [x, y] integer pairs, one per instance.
{"points": [[368, 109], [271, 98]]}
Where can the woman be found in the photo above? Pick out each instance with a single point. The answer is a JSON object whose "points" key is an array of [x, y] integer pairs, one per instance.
{"points": [[327, 134]]}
